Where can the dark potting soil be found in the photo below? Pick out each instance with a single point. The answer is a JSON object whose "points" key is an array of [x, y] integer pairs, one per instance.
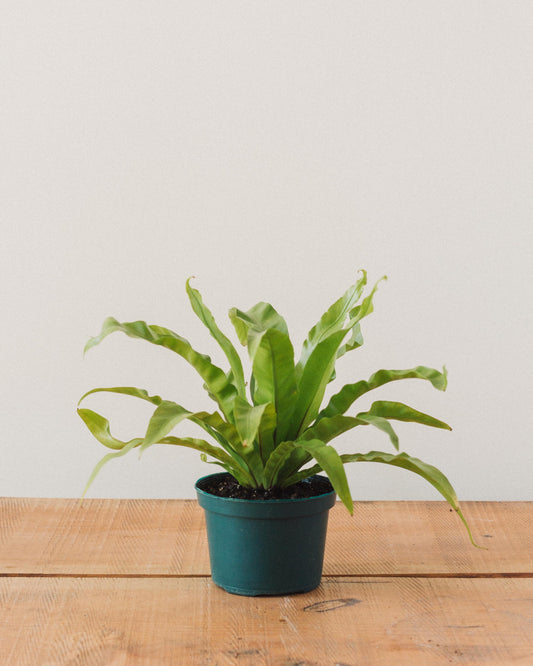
{"points": [[224, 485]]}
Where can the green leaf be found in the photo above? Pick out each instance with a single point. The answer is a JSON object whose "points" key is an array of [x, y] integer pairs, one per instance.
{"points": [[125, 449], [366, 307], [217, 427], [431, 474], [428, 472], [330, 461], [381, 424], [221, 457], [261, 317], [327, 458], [267, 432], [276, 462], [330, 427], [204, 314], [99, 428], [273, 371], [313, 382], [256, 425], [228, 468], [355, 341], [251, 326], [322, 348], [248, 421], [349, 393], [203, 446], [169, 414], [164, 419], [217, 383], [324, 430], [331, 321], [242, 324], [400, 412], [126, 390]]}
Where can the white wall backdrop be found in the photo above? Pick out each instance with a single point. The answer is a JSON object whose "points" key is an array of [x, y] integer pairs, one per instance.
{"points": [[271, 149]]}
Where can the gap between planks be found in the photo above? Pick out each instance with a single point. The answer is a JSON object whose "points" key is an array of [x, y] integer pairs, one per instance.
{"points": [[519, 574]]}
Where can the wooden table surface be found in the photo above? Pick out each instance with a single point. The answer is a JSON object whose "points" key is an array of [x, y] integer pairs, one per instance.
{"points": [[112, 582]]}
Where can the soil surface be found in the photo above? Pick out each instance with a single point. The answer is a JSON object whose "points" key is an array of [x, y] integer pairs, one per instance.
{"points": [[225, 485]]}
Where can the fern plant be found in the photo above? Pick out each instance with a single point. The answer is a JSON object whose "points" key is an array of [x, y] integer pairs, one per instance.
{"points": [[267, 431]]}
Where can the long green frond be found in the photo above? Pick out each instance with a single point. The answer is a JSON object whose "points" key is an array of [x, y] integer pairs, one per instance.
{"points": [[205, 315], [217, 383], [428, 472], [331, 321], [400, 412], [344, 399], [330, 461], [126, 390], [261, 317], [312, 385], [169, 414], [273, 372], [99, 428], [110, 456]]}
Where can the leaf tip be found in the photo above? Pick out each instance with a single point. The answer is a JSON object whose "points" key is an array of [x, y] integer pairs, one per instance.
{"points": [[85, 491], [348, 503], [457, 509], [439, 380]]}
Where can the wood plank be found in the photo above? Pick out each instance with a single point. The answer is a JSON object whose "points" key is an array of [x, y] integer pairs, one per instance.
{"points": [[409, 621], [99, 537], [427, 538], [167, 537]]}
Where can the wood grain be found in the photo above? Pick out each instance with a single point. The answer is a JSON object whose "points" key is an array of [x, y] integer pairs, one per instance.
{"points": [[119, 582], [167, 537], [347, 621]]}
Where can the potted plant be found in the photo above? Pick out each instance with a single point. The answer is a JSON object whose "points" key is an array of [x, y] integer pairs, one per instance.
{"points": [[268, 510]]}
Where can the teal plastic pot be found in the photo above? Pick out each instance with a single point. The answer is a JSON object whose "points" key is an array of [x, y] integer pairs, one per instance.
{"points": [[266, 547]]}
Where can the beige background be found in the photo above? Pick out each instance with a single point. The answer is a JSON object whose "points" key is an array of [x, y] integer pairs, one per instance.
{"points": [[271, 149]]}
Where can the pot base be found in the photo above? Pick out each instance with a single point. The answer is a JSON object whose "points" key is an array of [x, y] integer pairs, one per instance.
{"points": [[259, 593]]}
